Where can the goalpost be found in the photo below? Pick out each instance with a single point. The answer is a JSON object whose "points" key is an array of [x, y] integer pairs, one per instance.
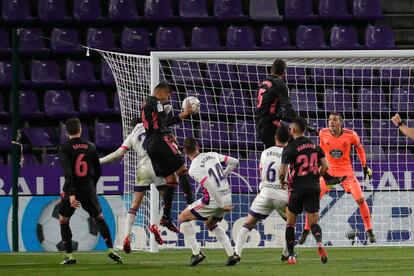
{"points": [[366, 87]]}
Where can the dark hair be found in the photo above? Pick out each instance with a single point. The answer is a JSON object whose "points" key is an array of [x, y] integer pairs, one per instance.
{"points": [[136, 121], [301, 123], [282, 134], [73, 126], [162, 86], [190, 145], [334, 113], [278, 67]]}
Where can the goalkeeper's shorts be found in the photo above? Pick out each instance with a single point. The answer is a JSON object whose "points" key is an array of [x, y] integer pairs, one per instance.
{"points": [[350, 184]]}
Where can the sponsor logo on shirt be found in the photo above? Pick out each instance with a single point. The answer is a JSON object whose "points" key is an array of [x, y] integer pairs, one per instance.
{"points": [[336, 153]]}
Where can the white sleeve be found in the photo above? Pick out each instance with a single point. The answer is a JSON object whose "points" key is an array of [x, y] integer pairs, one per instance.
{"points": [[261, 164], [113, 156], [230, 162], [127, 144], [212, 190]]}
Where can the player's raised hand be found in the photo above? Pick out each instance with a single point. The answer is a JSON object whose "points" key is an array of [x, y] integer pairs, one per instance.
{"points": [[367, 173], [396, 119], [73, 202], [187, 111]]}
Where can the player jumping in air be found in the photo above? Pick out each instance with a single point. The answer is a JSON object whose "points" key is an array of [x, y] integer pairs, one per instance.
{"points": [[306, 162], [81, 168], [162, 149], [207, 171], [273, 194], [336, 142], [145, 175]]}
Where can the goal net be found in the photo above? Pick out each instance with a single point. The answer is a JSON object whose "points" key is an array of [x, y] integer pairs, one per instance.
{"points": [[366, 87]]}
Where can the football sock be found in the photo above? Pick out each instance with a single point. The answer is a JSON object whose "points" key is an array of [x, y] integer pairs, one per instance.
{"points": [[66, 234], [104, 230], [307, 226], [242, 238], [130, 219], [221, 236], [189, 237], [366, 216], [185, 186], [168, 199], [317, 232], [290, 239]]}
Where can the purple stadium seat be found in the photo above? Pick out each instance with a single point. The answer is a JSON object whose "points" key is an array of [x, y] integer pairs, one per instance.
{"points": [[303, 100], [299, 10], [4, 41], [253, 74], [379, 37], [402, 98], [108, 136], [240, 38], [338, 99], [1, 161], [3, 113], [317, 124], [228, 10], [45, 72], [31, 41], [383, 132], [40, 137], [59, 104], [360, 76], [244, 133], [94, 103], [159, 11], [206, 97], [80, 73], [249, 183], [52, 10], [186, 72], [5, 137], [16, 10], [327, 75], [222, 74], [372, 100], [205, 38], [29, 105], [375, 154], [235, 102], [215, 135], [117, 105], [183, 130], [123, 10], [395, 76], [107, 77], [101, 38], [65, 40], [170, 39], [6, 74], [344, 38], [87, 10], [194, 10], [310, 37], [63, 134], [355, 125], [296, 75], [49, 159], [264, 10], [275, 38], [135, 40], [367, 10], [334, 10]]}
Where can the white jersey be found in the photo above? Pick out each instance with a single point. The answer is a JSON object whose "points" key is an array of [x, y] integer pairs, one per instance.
{"points": [[208, 172], [270, 161], [135, 140]]}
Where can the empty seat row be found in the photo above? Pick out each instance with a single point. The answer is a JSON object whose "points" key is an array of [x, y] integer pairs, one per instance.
{"points": [[59, 104], [196, 10], [47, 73]]}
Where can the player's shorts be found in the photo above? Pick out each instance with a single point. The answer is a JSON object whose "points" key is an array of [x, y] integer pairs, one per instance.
{"points": [[146, 176], [350, 184], [203, 211], [297, 201], [89, 202], [165, 157], [266, 134], [262, 206]]}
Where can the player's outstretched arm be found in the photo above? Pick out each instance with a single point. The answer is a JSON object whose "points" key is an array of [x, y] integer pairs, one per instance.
{"points": [[409, 132], [362, 157], [231, 163], [113, 156]]}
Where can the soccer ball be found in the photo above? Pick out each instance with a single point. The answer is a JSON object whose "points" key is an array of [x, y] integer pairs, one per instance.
{"points": [[195, 103], [84, 230]]}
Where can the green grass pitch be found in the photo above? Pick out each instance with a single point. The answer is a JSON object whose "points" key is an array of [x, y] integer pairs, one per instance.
{"points": [[342, 261]]}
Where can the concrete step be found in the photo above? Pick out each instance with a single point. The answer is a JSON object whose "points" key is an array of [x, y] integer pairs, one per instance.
{"points": [[404, 37], [400, 6], [400, 21]]}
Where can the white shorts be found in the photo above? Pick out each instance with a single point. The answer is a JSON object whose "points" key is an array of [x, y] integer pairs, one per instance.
{"points": [[146, 176], [203, 211], [262, 206]]}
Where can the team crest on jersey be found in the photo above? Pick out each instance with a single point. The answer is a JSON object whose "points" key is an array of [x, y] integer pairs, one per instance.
{"points": [[336, 153]]}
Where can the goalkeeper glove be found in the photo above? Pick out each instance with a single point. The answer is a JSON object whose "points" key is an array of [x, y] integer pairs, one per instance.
{"points": [[367, 173], [331, 181]]}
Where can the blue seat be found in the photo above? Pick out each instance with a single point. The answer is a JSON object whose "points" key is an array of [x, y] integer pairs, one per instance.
{"points": [[159, 11], [52, 10], [194, 10], [65, 41], [135, 40], [94, 103], [80, 73], [367, 10], [240, 38], [205, 39], [29, 105], [275, 38], [6, 74], [117, 105], [3, 114], [402, 98], [372, 99], [170, 39], [215, 135], [338, 99], [327, 75], [264, 10], [123, 10], [299, 11], [59, 104], [252, 74], [108, 136], [244, 133], [224, 74], [16, 10], [296, 75], [87, 10], [45, 72], [107, 78], [358, 75], [379, 37], [310, 37], [40, 137], [235, 102], [303, 99], [31, 41], [101, 38], [344, 38], [229, 10], [395, 76], [334, 10], [5, 137], [4, 41], [187, 72]]}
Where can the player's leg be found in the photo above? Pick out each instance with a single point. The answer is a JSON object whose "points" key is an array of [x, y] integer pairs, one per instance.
{"points": [[65, 212], [168, 197], [248, 225], [354, 188], [130, 218], [154, 228], [267, 135], [294, 207], [188, 231], [185, 184]]}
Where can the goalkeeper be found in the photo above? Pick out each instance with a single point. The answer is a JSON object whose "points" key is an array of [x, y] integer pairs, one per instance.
{"points": [[336, 142], [273, 104]]}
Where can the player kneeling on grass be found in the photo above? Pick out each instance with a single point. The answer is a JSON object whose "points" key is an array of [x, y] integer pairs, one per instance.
{"points": [[145, 176], [206, 169], [81, 168], [273, 194]]}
